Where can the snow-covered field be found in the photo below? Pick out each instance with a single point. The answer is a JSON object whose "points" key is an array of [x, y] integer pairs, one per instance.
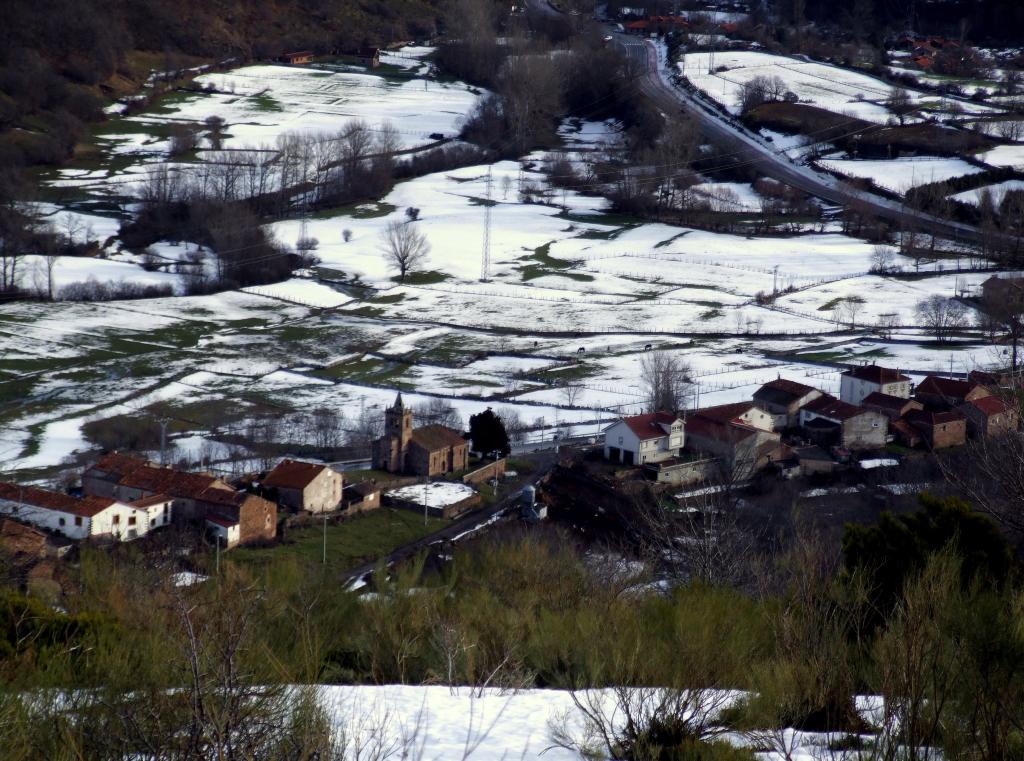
{"points": [[997, 192], [1005, 155], [721, 75], [899, 175], [463, 724], [434, 494]]}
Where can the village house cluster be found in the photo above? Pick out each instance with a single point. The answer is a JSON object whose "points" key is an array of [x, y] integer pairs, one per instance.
{"points": [[803, 430], [125, 497]]}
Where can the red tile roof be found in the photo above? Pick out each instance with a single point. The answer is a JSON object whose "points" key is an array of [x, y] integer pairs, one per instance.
{"points": [[886, 401], [876, 374], [948, 387], [293, 474], [176, 483], [924, 418], [648, 426], [435, 437], [220, 520], [834, 409], [725, 413], [52, 500], [156, 499], [990, 405], [720, 430]]}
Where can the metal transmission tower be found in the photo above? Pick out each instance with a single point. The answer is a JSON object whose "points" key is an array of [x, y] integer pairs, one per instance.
{"points": [[485, 262]]}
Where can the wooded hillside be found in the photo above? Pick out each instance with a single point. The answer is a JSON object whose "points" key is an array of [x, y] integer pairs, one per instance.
{"points": [[61, 59]]}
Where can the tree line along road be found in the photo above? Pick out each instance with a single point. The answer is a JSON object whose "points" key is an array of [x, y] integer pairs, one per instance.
{"points": [[745, 149]]}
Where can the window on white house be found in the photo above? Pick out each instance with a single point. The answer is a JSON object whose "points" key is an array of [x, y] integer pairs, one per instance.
{"points": [[62, 521], [131, 520], [117, 519], [78, 520]]}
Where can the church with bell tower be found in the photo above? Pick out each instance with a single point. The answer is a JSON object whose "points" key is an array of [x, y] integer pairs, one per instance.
{"points": [[428, 451]]}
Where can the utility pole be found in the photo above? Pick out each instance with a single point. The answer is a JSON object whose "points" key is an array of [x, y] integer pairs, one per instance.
{"points": [[775, 280], [485, 263], [426, 498], [163, 439], [325, 539]]}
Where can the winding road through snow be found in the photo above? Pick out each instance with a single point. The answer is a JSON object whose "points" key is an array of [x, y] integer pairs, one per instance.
{"points": [[653, 80]]}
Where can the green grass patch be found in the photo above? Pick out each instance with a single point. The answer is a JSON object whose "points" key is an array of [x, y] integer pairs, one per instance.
{"points": [[357, 211], [361, 539], [828, 306], [390, 298], [669, 241], [367, 370], [266, 103], [427, 277]]}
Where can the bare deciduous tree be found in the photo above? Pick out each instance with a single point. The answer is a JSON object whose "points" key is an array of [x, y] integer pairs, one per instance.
{"points": [[405, 248], [665, 381], [942, 316]]}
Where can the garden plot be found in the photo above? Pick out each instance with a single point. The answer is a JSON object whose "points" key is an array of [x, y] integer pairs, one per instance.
{"points": [[900, 175], [830, 87]]}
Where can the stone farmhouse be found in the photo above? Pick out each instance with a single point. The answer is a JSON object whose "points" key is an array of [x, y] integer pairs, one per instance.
{"points": [[784, 399], [428, 451], [640, 439], [830, 421], [858, 382], [740, 435], [195, 497], [306, 486], [990, 416], [938, 393]]}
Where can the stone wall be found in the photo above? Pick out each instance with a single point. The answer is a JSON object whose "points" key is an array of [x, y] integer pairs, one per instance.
{"points": [[486, 473]]}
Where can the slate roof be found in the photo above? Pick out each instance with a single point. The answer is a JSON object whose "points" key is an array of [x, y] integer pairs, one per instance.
{"points": [[435, 437], [293, 474], [648, 426], [876, 374]]}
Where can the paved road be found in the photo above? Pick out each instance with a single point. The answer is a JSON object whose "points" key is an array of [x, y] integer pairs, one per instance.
{"points": [[460, 527], [745, 148]]}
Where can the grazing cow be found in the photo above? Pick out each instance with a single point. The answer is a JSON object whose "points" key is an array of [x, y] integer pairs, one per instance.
{"points": [[647, 347], [581, 349]]}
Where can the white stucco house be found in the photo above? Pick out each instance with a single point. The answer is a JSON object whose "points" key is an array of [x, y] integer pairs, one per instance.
{"points": [[858, 382], [226, 531], [640, 439], [78, 519]]}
